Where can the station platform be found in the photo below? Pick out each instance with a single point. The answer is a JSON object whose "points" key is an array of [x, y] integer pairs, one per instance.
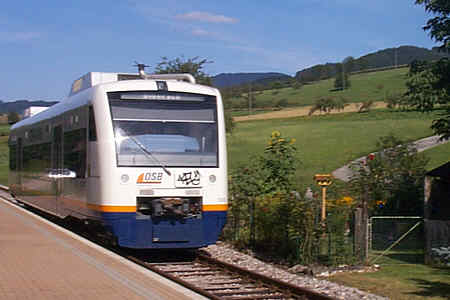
{"points": [[40, 260]]}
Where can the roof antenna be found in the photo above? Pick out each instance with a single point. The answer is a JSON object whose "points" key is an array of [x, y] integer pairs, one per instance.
{"points": [[141, 68]]}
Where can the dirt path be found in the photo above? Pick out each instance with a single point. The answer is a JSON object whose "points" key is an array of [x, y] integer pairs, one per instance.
{"points": [[301, 111], [344, 173]]}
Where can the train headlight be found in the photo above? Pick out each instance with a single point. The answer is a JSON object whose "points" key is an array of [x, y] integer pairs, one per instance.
{"points": [[124, 178], [212, 178]]}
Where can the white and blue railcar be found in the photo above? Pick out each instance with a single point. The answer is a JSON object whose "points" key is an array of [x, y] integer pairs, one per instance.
{"points": [[142, 155]]}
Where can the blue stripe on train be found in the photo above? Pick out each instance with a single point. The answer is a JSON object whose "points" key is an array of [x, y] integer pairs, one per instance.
{"points": [[140, 231]]}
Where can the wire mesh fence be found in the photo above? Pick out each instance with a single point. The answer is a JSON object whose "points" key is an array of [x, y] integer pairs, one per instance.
{"points": [[396, 240]]}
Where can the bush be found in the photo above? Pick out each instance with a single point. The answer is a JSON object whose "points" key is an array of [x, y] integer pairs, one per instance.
{"points": [[366, 106], [282, 103], [392, 176], [267, 215]]}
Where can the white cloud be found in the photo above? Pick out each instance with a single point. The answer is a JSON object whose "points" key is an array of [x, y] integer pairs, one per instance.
{"points": [[206, 17], [201, 32], [19, 36]]}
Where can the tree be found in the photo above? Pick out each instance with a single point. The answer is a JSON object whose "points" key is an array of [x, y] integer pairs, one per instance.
{"points": [[296, 85], [349, 64], [192, 66], [363, 63], [276, 85], [430, 85], [439, 26], [422, 91], [341, 82], [249, 95], [323, 105], [366, 106], [13, 117]]}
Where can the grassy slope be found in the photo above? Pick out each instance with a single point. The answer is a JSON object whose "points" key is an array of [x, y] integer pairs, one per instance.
{"points": [[438, 155], [325, 143], [369, 86]]}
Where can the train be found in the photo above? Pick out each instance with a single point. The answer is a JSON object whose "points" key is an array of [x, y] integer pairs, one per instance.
{"points": [[141, 156]]}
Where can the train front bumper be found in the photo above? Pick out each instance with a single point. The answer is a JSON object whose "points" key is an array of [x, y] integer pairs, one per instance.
{"points": [[133, 230]]}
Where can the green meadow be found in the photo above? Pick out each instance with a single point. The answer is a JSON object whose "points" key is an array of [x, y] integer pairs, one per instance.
{"points": [[376, 86], [327, 142]]}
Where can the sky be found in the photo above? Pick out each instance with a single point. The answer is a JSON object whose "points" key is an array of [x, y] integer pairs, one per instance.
{"points": [[45, 45]]}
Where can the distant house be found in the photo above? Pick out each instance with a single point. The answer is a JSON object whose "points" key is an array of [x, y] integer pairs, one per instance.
{"points": [[33, 110]]}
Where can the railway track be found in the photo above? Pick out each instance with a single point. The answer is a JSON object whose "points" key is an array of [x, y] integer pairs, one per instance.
{"points": [[219, 280], [205, 275]]}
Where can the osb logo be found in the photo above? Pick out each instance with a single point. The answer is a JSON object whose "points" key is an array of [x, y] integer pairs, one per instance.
{"points": [[150, 177]]}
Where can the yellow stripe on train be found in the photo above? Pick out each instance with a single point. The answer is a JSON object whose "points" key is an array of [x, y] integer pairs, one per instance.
{"points": [[110, 208], [215, 207]]}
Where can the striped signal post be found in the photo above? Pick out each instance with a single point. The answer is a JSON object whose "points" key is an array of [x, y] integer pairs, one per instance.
{"points": [[323, 180]]}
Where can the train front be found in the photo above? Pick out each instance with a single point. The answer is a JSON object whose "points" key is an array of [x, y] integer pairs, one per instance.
{"points": [[170, 158]]}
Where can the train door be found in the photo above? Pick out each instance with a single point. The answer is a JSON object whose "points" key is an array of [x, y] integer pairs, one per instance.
{"points": [[57, 166]]}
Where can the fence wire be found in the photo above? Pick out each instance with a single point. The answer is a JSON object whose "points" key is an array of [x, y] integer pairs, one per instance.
{"points": [[396, 240]]}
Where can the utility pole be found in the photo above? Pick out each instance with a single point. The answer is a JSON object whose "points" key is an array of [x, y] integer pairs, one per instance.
{"points": [[343, 76], [250, 99]]}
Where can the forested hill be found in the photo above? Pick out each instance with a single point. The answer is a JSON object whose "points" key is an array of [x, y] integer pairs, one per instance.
{"points": [[384, 58], [20, 105], [234, 79]]}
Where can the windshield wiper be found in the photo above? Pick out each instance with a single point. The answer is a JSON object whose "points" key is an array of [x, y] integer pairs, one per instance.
{"points": [[149, 153]]}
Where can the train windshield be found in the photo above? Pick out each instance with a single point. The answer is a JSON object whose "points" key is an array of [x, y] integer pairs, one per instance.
{"points": [[164, 129]]}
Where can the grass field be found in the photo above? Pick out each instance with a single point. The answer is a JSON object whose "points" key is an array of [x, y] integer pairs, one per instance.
{"points": [[376, 86], [327, 142], [438, 155], [400, 281]]}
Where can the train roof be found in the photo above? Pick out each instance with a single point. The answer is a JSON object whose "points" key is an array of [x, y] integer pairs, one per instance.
{"points": [[92, 79], [95, 78]]}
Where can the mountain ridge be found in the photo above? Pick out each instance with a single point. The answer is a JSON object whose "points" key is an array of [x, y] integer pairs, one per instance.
{"points": [[402, 55], [232, 79]]}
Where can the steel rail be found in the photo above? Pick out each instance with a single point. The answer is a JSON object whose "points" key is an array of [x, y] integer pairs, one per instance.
{"points": [[268, 280]]}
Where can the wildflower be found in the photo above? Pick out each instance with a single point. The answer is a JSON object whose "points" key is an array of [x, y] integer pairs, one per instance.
{"points": [[275, 134]]}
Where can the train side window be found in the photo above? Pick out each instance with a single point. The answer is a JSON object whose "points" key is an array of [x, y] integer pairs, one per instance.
{"points": [[92, 127], [13, 157], [75, 151]]}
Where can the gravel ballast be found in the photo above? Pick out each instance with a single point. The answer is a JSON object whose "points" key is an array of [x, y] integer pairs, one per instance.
{"points": [[225, 253]]}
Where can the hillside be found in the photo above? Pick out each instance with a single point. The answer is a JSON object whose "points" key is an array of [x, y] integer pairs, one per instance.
{"points": [[376, 86], [233, 79], [20, 105], [402, 55], [328, 142]]}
